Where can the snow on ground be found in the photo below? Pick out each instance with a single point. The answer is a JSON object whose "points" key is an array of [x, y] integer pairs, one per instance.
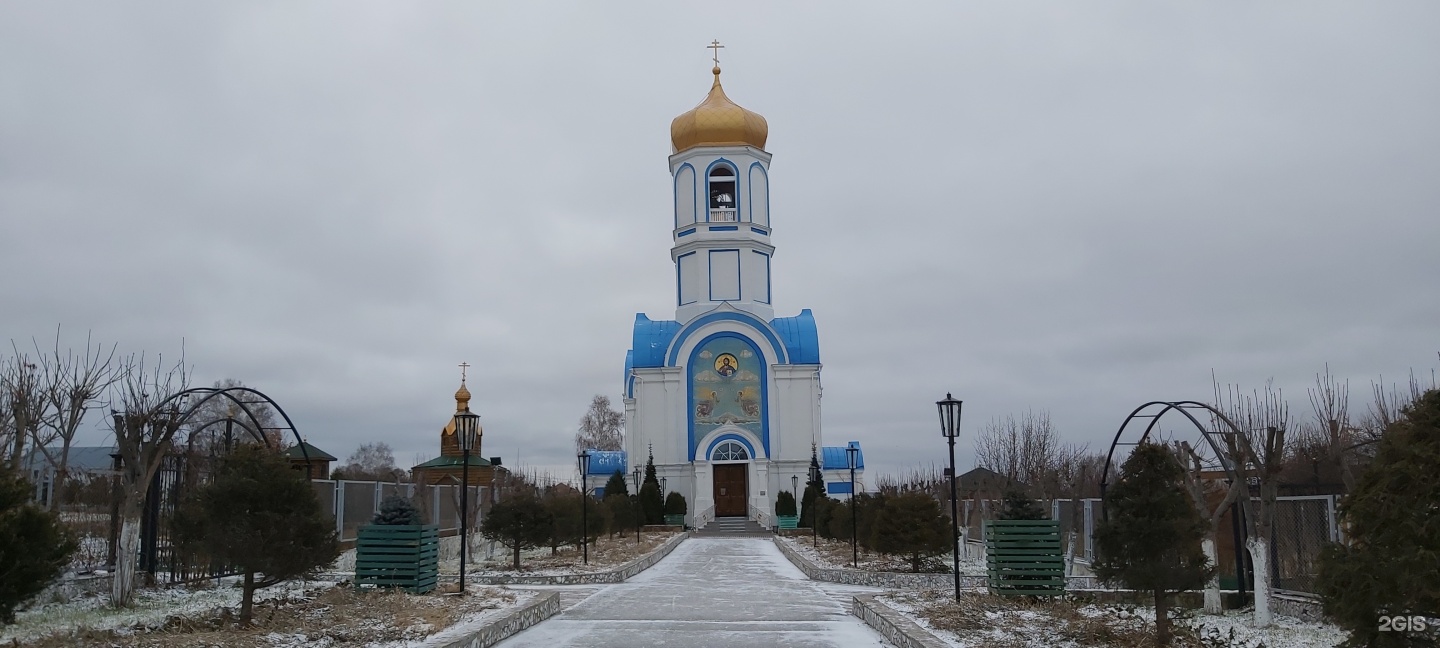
{"points": [[982, 620], [287, 615], [836, 554], [605, 554]]}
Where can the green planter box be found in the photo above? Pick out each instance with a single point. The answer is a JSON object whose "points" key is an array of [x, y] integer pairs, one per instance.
{"points": [[1023, 558], [404, 556], [788, 521], [675, 519]]}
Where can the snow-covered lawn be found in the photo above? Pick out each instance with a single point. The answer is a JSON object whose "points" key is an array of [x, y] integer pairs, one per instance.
{"points": [[606, 554], [836, 554], [982, 620], [287, 615]]}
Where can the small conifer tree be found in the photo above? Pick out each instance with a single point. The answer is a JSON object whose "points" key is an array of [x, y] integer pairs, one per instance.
{"points": [[911, 525], [34, 545], [1391, 565], [1150, 537], [260, 516], [785, 504], [564, 509], [652, 501], [621, 509], [518, 522], [1019, 506], [396, 511], [675, 504], [616, 485]]}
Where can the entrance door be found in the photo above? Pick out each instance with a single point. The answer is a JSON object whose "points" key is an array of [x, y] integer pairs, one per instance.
{"points": [[731, 490]]}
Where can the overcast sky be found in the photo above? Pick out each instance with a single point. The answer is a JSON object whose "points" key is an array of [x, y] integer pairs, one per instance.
{"points": [[1076, 207]]}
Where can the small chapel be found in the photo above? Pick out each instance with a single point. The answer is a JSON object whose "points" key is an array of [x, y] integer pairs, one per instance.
{"points": [[449, 467], [725, 394]]}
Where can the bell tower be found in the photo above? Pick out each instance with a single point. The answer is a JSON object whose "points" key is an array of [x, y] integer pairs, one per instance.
{"points": [[720, 172]]}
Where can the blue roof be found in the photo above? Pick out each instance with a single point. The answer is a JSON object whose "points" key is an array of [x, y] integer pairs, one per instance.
{"points": [[833, 457], [649, 342], [802, 342], [629, 364]]}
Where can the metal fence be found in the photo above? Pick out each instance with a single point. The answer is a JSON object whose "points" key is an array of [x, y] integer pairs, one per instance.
{"points": [[353, 504], [1304, 525]]}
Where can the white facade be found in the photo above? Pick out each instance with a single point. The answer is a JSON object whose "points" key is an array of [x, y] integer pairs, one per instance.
{"points": [[725, 387]]}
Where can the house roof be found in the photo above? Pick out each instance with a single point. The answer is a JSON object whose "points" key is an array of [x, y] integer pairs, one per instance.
{"points": [[984, 478], [82, 458], [314, 453], [833, 457], [444, 461]]}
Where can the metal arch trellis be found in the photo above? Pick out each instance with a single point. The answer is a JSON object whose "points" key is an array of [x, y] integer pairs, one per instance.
{"points": [[256, 430], [1210, 435]]}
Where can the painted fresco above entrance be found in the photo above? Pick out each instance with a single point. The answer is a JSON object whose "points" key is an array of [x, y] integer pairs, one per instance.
{"points": [[726, 389]]}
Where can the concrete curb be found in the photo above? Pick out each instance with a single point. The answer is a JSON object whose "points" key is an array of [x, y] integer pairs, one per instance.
{"points": [[504, 627], [894, 626], [621, 574]]}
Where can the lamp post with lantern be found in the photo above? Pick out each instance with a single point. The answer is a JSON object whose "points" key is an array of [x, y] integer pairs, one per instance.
{"points": [[584, 460], [950, 428], [852, 453], [635, 477], [467, 424]]}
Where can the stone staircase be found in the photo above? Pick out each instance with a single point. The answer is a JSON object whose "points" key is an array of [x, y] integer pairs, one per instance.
{"points": [[732, 527]]}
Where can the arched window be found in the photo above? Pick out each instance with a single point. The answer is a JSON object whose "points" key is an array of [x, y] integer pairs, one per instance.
{"points": [[730, 451], [722, 194]]}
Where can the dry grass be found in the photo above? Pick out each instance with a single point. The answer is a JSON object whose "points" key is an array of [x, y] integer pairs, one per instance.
{"points": [[605, 553], [340, 616], [1018, 622], [838, 553]]}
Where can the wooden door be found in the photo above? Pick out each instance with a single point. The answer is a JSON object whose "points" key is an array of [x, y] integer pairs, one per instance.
{"points": [[731, 492]]}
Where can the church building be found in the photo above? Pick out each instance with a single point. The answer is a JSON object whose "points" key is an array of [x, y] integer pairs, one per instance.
{"points": [[726, 395]]}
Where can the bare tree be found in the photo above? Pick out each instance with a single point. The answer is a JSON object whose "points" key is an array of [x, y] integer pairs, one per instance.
{"points": [[1263, 419], [601, 428], [1027, 449], [371, 461], [1202, 493], [73, 386], [23, 385], [145, 429]]}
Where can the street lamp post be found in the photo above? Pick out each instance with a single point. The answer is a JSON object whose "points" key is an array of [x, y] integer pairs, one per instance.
{"points": [[466, 425], [950, 428], [635, 477], [852, 453], [584, 459], [814, 515]]}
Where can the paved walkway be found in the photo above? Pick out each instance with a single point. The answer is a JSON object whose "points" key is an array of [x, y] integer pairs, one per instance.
{"points": [[711, 592]]}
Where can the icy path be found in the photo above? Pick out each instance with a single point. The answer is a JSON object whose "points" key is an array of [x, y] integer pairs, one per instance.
{"points": [[711, 592]]}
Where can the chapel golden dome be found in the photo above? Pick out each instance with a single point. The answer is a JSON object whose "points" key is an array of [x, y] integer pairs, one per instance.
{"points": [[462, 398], [718, 121]]}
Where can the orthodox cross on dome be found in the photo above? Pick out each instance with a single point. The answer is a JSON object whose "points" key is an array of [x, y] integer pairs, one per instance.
{"points": [[463, 367], [716, 46]]}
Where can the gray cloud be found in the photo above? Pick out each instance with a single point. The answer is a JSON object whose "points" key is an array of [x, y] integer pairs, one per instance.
{"points": [[1072, 207]]}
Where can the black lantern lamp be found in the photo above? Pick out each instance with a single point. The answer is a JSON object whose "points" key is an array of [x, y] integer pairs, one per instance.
{"points": [[467, 433], [950, 428], [635, 477], [852, 454], [584, 460]]}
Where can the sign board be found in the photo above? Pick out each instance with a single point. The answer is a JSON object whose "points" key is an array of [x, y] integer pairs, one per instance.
{"points": [[604, 463]]}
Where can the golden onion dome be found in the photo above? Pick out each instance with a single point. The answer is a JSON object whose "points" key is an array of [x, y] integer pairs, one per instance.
{"points": [[718, 121], [462, 398]]}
